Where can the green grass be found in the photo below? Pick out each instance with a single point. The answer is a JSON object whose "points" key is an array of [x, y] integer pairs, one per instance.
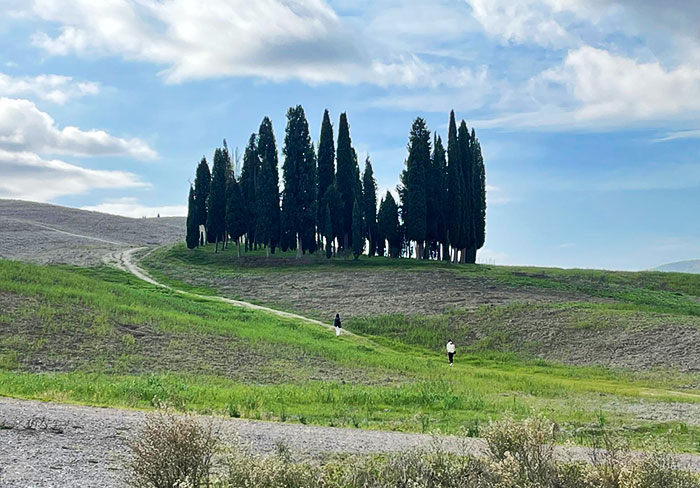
{"points": [[380, 381]]}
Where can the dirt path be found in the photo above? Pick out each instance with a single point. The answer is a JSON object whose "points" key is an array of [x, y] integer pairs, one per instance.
{"points": [[57, 445], [125, 261]]}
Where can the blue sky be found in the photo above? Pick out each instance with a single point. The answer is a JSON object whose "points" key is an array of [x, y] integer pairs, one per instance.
{"points": [[587, 110]]}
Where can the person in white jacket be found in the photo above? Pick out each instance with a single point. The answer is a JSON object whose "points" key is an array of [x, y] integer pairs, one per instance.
{"points": [[451, 352]]}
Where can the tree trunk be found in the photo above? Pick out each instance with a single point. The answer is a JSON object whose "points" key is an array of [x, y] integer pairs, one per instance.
{"points": [[216, 249], [267, 250], [298, 239], [238, 246]]}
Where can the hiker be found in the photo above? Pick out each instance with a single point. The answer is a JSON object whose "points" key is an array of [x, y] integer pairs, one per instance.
{"points": [[451, 352], [336, 324]]}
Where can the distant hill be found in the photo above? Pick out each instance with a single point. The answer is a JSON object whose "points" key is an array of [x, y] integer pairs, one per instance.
{"points": [[44, 233], [690, 266]]}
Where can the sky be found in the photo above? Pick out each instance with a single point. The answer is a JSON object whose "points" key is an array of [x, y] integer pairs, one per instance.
{"points": [[587, 110]]}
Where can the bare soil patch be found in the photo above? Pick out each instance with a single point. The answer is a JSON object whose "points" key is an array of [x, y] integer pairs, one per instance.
{"points": [[368, 293], [581, 336]]}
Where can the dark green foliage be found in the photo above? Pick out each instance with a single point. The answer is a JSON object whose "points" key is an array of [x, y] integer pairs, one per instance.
{"points": [[347, 178], [267, 189], [235, 212], [480, 195], [413, 178], [437, 197], [334, 202], [328, 231], [299, 174], [216, 203], [466, 242], [192, 238], [358, 240], [369, 206], [326, 161], [202, 185], [249, 177], [388, 224], [454, 185]]}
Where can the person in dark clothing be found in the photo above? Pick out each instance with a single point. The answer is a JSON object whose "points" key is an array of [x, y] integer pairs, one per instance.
{"points": [[336, 324]]}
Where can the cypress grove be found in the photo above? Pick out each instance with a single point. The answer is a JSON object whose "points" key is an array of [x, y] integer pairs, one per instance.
{"points": [[326, 203]]}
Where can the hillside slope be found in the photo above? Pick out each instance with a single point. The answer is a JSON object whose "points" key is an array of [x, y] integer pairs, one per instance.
{"points": [[44, 233], [690, 266]]}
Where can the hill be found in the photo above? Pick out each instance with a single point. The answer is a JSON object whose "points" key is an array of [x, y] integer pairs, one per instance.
{"points": [[44, 233], [637, 321], [690, 266]]}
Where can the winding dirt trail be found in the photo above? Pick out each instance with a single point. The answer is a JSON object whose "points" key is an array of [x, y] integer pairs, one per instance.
{"points": [[126, 261]]}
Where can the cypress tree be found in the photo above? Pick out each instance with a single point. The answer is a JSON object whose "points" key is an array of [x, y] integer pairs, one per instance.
{"points": [[334, 202], [267, 189], [216, 203], [192, 238], [439, 188], [358, 240], [480, 196], [249, 177], [328, 232], [369, 206], [454, 187], [466, 242], [388, 224], [414, 205], [299, 174], [202, 185], [326, 161], [235, 213], [347, 177]]}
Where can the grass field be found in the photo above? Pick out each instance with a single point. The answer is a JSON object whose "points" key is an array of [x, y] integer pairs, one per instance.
{"points": [[100, 336]]}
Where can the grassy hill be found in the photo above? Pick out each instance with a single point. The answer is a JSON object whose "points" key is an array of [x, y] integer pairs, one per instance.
{"points": [[637, 321], [100, 336]]}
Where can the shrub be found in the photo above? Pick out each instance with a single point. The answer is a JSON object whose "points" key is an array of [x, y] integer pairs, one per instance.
{"points": [[171, 451]]}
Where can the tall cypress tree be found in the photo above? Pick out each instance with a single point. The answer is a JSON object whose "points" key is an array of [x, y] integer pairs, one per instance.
{"points": [[235, 213], [388, 224], [249, 177], [299, 174], [358, 240], [202, 185], [369, 206], [480, 196], [454, 187], [414, 205], [440, 190], [216, 203], [192, 238], [267, 189], [347, 177], [466, 162], [326, 162]]}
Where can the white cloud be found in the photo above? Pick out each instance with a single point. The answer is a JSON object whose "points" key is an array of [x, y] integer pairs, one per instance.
{"points": [[273, 39], [29, 177], [131, 207], [53, 88], [23, 127], [496, 195], [612, 86], [680, 134]]}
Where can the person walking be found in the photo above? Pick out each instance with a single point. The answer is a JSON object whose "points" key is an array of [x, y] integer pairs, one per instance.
{"points": [[336, 324], [451, 352]]}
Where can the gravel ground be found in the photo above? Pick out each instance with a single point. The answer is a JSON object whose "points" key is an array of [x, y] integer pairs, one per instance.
{"points": [[54, 445], [50, 234]]}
